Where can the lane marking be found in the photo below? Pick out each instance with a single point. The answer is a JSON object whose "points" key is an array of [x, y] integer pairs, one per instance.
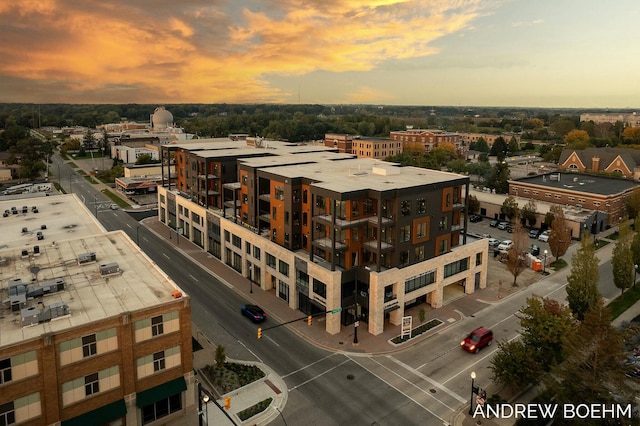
{"points": [[320, 375], [428, 379], [309, 365], [166, 256], [194, 278]]}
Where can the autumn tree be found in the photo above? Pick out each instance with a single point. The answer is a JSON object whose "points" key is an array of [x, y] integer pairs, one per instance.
{"points": [[622, 258], [528, 213], [577, 139], [582, 287], [635, 243], [560, 235], [592, 370], [516, 259], [631, 135], [632, 203], [510, 207]]}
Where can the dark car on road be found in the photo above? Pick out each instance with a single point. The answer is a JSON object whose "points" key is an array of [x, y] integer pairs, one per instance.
{"points": [[534, 233], [475, 218], [494, 223], [253, 312]]}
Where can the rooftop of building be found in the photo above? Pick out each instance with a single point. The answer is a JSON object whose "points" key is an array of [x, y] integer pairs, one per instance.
{"points": [[592, 184], [356, 174], [78, 274]]}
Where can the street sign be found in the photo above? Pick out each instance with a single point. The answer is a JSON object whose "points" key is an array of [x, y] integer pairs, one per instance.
{"points": [[336, 311], [356, 324]]}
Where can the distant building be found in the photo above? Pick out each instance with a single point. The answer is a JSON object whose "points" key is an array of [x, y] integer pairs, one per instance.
{"points": [[624, 161], [363, 146], [429, 138], [469, 138], [627, 119]]}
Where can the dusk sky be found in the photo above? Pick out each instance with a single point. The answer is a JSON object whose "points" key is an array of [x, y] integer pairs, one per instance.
{"points": [[560, 53]]}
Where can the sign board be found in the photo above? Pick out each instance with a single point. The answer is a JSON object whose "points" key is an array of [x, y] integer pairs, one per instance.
{"points": [[336, 311], [406, 326], [356, 324]]}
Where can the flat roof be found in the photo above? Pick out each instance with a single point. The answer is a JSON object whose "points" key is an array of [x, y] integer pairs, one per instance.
{"points": [[89, 295], [357, 174], [579, 182], [64, 216]]}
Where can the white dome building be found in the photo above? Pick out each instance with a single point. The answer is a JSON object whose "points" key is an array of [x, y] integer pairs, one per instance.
{"points": [[161, 119]]}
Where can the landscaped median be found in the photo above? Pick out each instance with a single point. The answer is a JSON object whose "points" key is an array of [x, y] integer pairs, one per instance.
{"points": [[415, 332]]}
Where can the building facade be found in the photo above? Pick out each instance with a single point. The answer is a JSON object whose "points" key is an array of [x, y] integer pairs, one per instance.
{"points": [[622, 161], [429, 138], [327, 231], [363, 146], [91, 333]]}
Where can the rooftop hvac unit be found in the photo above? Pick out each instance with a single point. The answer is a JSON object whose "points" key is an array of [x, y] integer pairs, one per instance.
{"points": [[86, 258], [31, 316], [109, 268]]}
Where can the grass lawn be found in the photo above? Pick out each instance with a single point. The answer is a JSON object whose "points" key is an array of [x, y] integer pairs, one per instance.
{"points": [[623, 302]]}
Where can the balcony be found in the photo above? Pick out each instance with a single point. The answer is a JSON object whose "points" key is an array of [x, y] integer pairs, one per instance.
{"points": [[208, 176], [326, 243], [372, 245], [265, 197], [341, 223], [384, 220]]}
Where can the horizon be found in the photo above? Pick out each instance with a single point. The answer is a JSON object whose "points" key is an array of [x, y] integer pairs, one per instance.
{"points": [[447, 53]]}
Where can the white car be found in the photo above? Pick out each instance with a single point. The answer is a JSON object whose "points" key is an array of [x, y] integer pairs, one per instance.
{"points": [[494, 242], [505, 245], [544, 237]]}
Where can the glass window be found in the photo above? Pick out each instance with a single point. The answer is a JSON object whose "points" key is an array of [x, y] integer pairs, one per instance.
{"points": [[89, 346], [158, 361], [419, 281], [404, 257], [157, 326], [5, 370], [283, 290], [405, 233], [405, 208], [162, 408], [247, 247], [7, 414], [227, 236], [274, 213], [271, 260], [91, 384], [279, 193], [421, 205], [319, 288], [478, 258], [283, 267], [236, 241], [256, 252], [419, 252]]}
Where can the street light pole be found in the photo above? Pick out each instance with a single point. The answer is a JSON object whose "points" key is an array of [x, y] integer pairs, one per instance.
{"points": [[355, 323], [473, 377], [544, 265], [635, 273]]}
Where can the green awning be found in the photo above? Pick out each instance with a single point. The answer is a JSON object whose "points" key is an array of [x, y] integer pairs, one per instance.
{"points": [[165, 390], [99, 416]]}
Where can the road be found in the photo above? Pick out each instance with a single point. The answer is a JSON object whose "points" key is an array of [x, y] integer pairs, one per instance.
{"points": [[428, 381]]}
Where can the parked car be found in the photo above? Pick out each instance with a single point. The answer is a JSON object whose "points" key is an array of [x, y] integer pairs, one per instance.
{"points": [[535, 250], [494, 223], [544, 237], [494, 242], [475, 218], [113, 206], [509, 228], [503, 225], [533, 233], [477, 339], [253, 312], [505, 245]]}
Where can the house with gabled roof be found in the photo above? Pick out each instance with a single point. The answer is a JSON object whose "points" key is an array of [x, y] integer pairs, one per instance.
{"points": [[625, 161]]}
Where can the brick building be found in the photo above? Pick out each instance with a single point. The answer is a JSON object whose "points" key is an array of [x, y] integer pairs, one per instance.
{"points": [[363, 146], [91, 331], [430, 138], [327, 231], [624, 161]]}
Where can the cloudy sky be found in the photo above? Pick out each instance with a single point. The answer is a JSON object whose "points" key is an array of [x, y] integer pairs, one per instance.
{"points": [[548, 53]]}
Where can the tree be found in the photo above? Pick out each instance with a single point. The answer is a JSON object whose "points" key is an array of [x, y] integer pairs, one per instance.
{"points": [[510, 207], [635, 243], [632, 203], [544, 323], [499, 148], [560, 235], [499, 177], [145, 159], [631, 134], [514, 146], [473, 203], [516, 259], [622, 258], [457, 166], [582, 287], [593, 367], [220, 356], [577, 139], [481, 145], [528, 213], [515, 365]]}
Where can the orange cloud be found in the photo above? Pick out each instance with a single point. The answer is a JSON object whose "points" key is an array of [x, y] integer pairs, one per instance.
{"points": [[195, 52]]}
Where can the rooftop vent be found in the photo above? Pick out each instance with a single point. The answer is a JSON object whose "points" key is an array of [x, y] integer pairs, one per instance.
{"points": [[109, 268], [86, 258], [31, 316], [385, 171]]}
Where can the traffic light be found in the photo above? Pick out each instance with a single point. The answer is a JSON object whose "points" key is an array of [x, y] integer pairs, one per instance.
{"points": [[260, 333], [227, 402], [309, 318]]}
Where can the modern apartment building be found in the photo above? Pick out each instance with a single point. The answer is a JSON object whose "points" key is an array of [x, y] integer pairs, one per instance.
{"points": [[91, 330], [326, 231]]}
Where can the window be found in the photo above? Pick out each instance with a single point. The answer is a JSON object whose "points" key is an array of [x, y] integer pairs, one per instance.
{"points": [[5, 370], [419, 281], [304, 218], [404, 257], [89, 346], [245, 198], [91, 384], [7, 414], [319, 288], [443, 222], [227, 236], [405, 233], [405, 208], [157, 327], [419, 252], [271, 260], [367, 206], [274, 213], [256, 252], [448, 199], [247, 247], [355, 208], [283, 290], [162, 408], [421, 230], [283, 267], [236, 241], [444, 246], [320, 202], [279, 193], [478, 259], [305, 195], [196, 218], [421, 204], [456, 267], [286, 217], [158, 361], [245, 180]]}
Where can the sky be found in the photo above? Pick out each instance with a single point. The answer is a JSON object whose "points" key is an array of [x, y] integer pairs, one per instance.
{"points": [[522, 53]]}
